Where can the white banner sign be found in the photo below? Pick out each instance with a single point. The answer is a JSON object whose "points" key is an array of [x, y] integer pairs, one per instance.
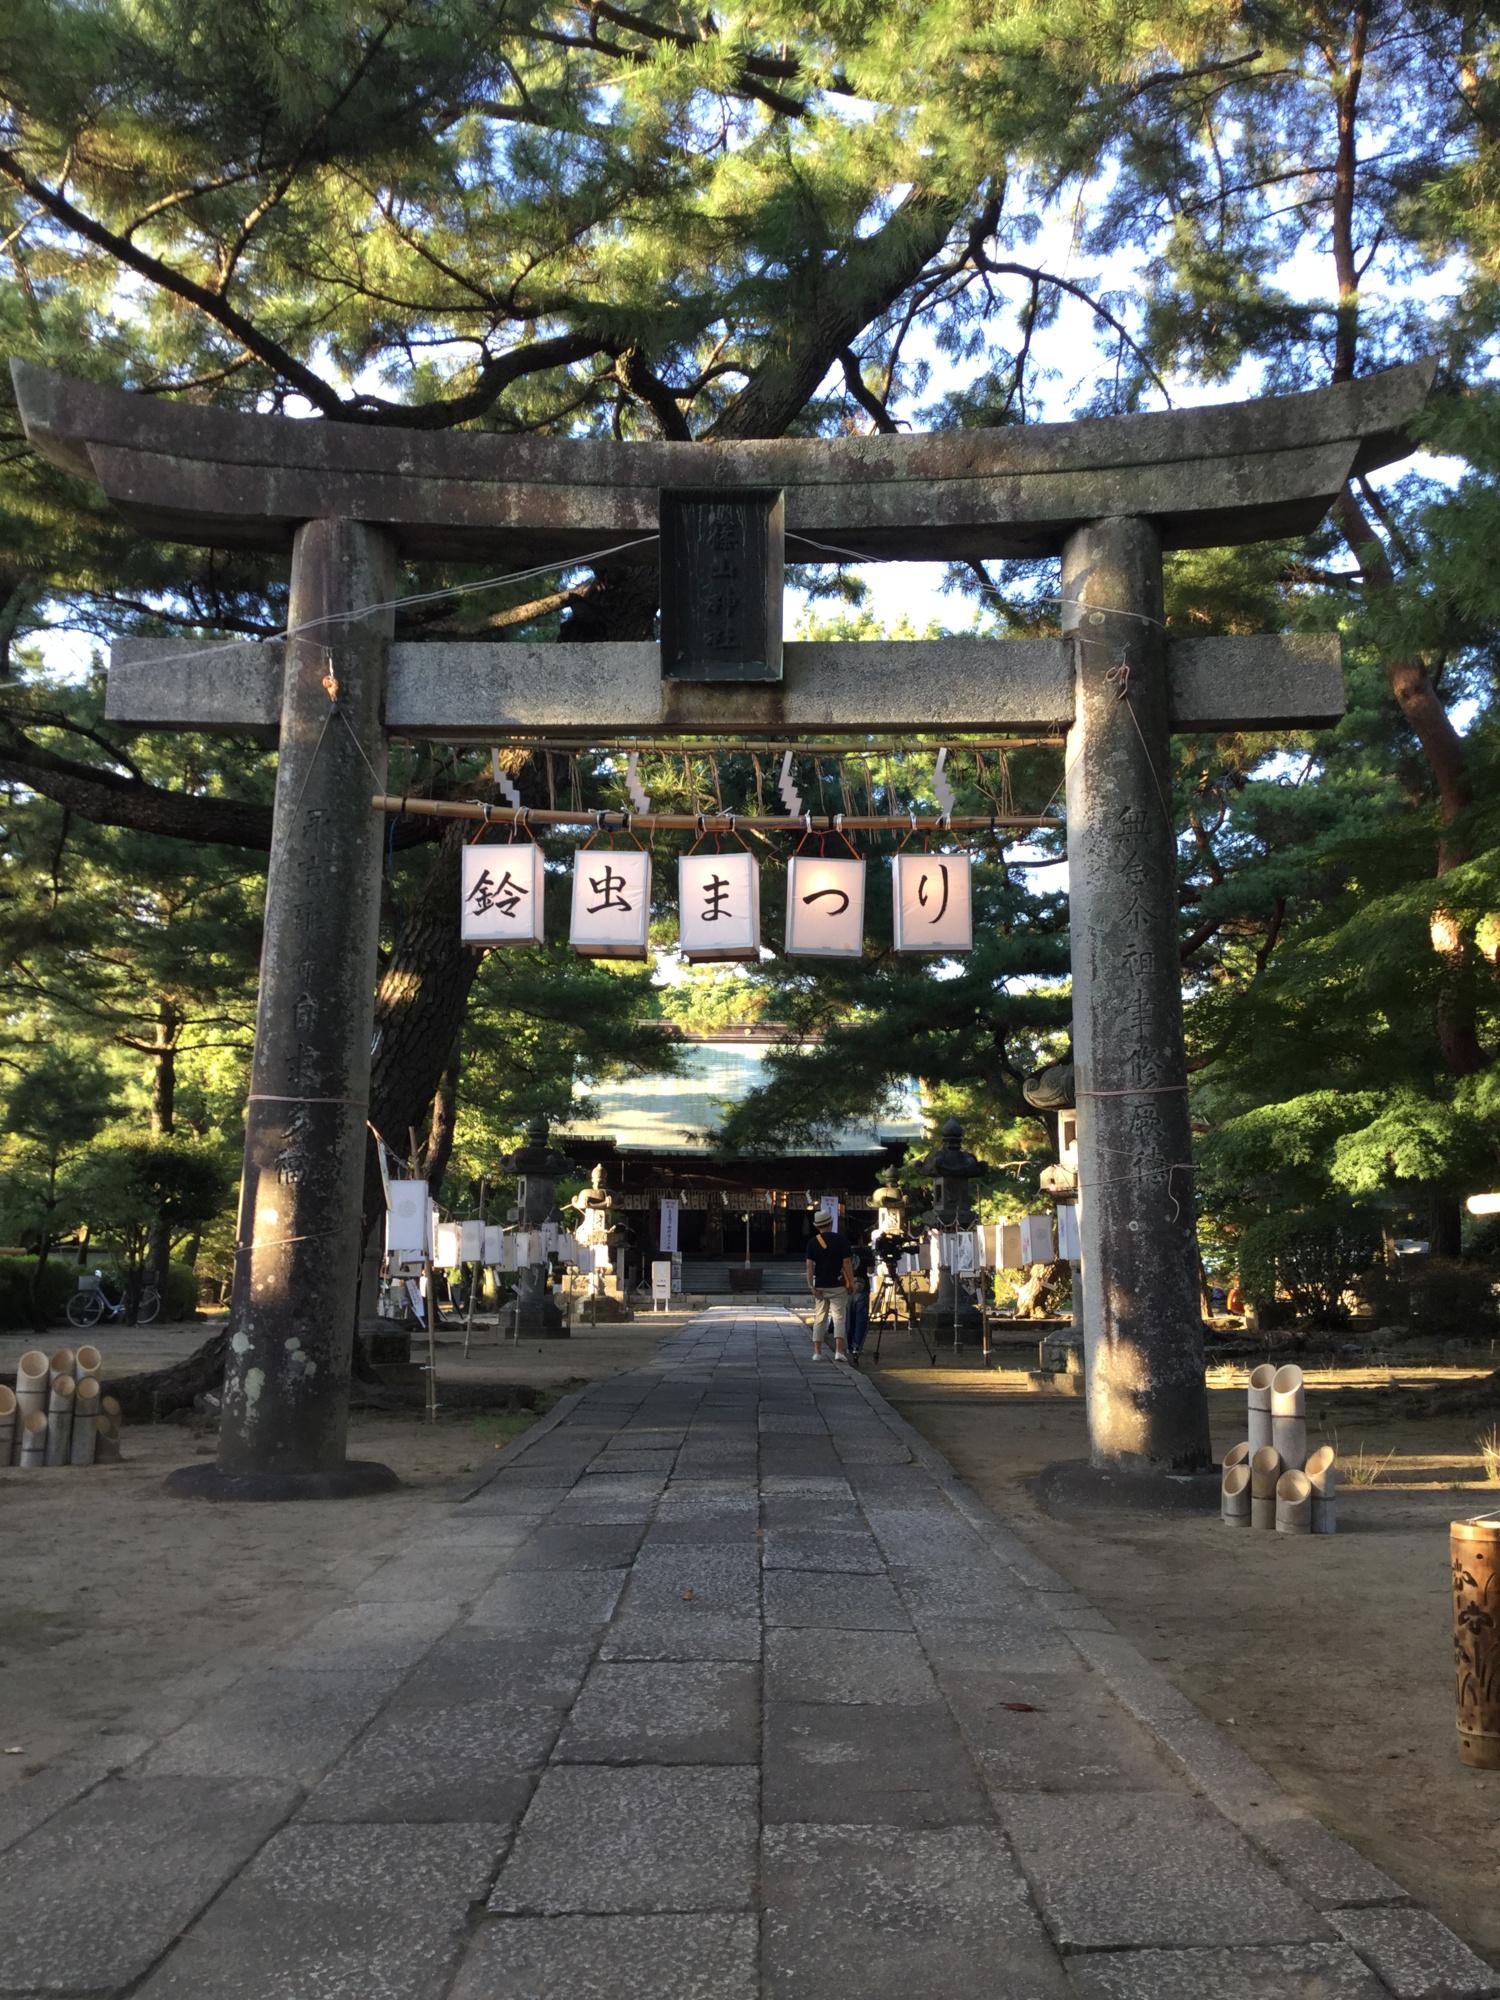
{"points": [[667, 1233], [611, 903], [931, 908], [502, 894], [718, 907], [661, 1279], [825, 907]]}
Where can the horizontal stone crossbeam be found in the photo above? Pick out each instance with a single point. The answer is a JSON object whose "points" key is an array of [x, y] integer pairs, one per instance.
{"points": [[1209, 477], [483, 692]]}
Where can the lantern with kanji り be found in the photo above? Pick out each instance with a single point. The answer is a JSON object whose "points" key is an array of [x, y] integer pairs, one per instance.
{"points": [[611, 903], [718, 907], [931, 908], [501, 895], [825, 906]]}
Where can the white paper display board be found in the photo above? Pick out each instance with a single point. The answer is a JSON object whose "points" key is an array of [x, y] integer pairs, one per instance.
{"points": [[825, 907], [406, 1222], [961, 1250], [661, 1278], [931, 907], [502, 894], [718, 907], [1011, 1258], [611, 902], [470, 1242], [1037, 1245], [494, 1243], [445, 1248], [667, 1233], [1068, 1243]]}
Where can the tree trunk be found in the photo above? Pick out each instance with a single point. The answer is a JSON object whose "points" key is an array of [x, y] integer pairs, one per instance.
{"points": [[38, 1283]]}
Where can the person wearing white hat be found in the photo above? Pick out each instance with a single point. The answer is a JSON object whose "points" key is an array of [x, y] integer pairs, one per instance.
{"points": [[830, 1279]]}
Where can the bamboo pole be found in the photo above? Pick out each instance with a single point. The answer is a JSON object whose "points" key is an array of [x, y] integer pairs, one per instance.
{"points": [[1258, 1410], [1237, 1454], [1289, 1416], [716, 822], [87, 1363], [31, 1391], [106, 1437], [85, 1418], [33, 1439], [1265, 1470], [60, 1419], [1323, 1477], [1234, 1503], [7, 1424], [64, 1362], [1293, 1504]]}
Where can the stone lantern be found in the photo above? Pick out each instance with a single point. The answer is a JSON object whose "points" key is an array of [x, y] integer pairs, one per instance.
{"points": [[951, 1169], [536, 1167]]}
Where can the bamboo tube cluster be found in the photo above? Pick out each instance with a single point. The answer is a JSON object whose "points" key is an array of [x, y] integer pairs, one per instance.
{"points": [[57, 1413], [1269, 1480]]}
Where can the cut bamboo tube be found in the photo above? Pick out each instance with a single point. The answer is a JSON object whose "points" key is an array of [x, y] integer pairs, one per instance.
{"points": [[87, 1363], [1288, 1392], [1258, 1424], [106, 1438], [1237, 1454], [1289, 1436], [1234, 1499], [60, 1419], [1265, 1470], [109, 1406], [7, 1424], [85, 1417], [1323, 1477], [63, 1362], [1293, 1504], [31, 1388], [34, 1440]]}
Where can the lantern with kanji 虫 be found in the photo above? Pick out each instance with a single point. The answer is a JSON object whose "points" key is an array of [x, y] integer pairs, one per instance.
{"points": [[611, 903]]}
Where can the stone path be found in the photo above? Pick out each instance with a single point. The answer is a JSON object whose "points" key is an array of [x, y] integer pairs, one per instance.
{"points": [[720, 1687]]}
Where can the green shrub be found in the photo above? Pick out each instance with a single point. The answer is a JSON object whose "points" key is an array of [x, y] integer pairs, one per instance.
{"points": [[1452, 1300], [62, 1279], [1309, 1258]]}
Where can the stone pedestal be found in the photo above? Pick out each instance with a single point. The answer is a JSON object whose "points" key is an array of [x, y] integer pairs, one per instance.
{"points": [[1148, 1410], [286, 1389]]}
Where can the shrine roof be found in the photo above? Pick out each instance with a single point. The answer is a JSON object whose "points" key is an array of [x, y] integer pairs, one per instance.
{"points": [[683, 1114], [1208, 476]]}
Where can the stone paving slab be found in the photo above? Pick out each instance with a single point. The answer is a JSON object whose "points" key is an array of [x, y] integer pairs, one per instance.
{"points": [[718, 1686]]}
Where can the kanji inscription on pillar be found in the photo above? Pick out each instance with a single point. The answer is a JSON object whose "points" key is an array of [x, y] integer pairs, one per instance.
{"points": [[722, 562]]}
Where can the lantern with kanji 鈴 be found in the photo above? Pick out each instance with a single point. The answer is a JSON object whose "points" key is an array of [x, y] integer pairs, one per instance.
{"points": [[718, 907], [501, 894], [930, 903], [611, 903], [825, 906]]}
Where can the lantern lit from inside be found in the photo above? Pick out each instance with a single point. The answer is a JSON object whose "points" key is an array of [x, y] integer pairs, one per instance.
{"points": [[718, 907], [825, 907], [501, 894], [611, 903], [931, 907]]}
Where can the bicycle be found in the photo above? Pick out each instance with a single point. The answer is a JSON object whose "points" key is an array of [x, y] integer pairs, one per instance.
{"points": [[91, 1303]]}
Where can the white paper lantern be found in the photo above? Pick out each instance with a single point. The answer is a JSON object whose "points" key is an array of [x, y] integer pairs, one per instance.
{"points": [[718, 907], [1037, 1245], [931, 905], [470, 1242], [1068, 1242], [825, 907], [494, 1243], [445, 1249], [611, 903], [501, 894], [1010, 1246], [407, 1220]]}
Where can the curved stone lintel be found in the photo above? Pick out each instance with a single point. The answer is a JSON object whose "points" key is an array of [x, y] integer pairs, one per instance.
{"points": [[1226, 473]]}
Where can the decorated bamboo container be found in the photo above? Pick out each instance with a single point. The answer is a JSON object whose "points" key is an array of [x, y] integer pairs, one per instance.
{"points": [[1475, 1547]]}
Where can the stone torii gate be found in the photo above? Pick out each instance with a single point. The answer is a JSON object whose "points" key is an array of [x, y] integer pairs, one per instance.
{"points": [[1109, 495]]}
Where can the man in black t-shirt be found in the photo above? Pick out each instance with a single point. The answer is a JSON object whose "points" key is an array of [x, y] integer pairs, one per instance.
{"points": [[830, 1279]]}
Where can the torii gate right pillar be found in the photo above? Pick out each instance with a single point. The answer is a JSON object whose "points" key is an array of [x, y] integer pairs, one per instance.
{"points": [[1143, 1335]]}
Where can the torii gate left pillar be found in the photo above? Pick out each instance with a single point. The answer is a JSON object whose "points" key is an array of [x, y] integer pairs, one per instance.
{"points": [[286, 1385], [1107, 495]]}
